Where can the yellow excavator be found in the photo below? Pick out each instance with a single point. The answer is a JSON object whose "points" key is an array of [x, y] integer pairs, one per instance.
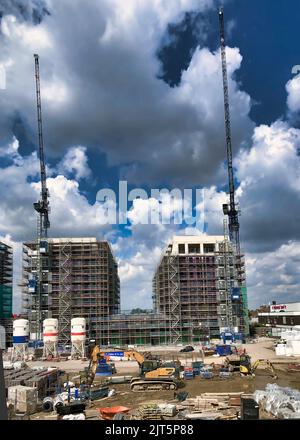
{"points": [[242, 363], [247, 368], [153, 375]]}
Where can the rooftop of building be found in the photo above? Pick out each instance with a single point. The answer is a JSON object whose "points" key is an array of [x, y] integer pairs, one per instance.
{"points": [[194, 244], [197, 239]]}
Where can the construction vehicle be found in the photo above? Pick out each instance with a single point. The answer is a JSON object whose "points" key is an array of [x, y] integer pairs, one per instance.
{"points": [[153, 375], [247, 368], [96, 357], [242, 364]]}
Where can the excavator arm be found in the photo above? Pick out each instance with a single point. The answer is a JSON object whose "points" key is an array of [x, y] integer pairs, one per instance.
{"points": [[133, 354], [268, 366], [95, 355]]}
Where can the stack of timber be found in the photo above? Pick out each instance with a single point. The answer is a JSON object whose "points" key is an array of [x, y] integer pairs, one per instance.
{"points": [[212, 406], [150, 412]]}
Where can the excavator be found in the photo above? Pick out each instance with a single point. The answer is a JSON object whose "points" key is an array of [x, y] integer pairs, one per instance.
{"points": [[153, 375], [247, 368], [242, 363]]}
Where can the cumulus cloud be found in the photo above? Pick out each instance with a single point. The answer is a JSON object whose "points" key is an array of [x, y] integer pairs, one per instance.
{"points": [[75, 162], [114, 100], [270, 187], [293, 90], [274, 275], [29, 10], [101, 90]]}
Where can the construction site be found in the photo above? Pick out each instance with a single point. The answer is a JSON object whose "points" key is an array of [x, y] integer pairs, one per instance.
{"points": [[166, 384], [73, 354]]}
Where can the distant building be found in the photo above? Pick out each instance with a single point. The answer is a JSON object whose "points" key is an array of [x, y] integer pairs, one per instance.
{"points": [[200, 286], [80, 279], [6, 290], [283, 316]]}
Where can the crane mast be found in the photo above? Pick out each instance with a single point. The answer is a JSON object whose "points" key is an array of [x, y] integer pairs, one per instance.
{"points": [[231, 209], [42, 208]]}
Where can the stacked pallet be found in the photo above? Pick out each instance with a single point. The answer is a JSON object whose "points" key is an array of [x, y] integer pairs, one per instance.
{"points": [[150, 412], [45, 381], [24, 399], [212, 405]]}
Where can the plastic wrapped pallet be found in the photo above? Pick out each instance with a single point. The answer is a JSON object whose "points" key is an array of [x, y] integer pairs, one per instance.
{"points": [[167, 409], [283, 402], [23, 398], [74, 417]]}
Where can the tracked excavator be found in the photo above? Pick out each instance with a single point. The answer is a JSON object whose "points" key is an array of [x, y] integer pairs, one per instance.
{"points": [[153, 375], [242, 363]]}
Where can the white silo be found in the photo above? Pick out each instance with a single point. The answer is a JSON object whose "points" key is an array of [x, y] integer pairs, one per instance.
{"points": [[78, 337], [20, 339], [50, 337]]}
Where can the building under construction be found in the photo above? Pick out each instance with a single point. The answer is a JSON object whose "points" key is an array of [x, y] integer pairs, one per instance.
{"points": [[199, 291], [80, 279], [200, 287], [6, 291]]}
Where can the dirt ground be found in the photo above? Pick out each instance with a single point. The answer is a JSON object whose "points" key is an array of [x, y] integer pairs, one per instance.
{"points": [[194, 387]]}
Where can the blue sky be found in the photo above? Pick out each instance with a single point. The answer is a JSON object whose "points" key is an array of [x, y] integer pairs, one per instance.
{"points": [[133, 91]]}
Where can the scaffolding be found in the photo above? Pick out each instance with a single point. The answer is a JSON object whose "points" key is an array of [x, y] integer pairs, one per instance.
{"points": [[193, 284], [125, 329], [226, 319], [65, 292], [83, 282], [175, 324], [6, 266]]}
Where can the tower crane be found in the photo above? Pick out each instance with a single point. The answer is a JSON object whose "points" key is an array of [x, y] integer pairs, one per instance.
{"points": [[229, 209], [41, 206]]}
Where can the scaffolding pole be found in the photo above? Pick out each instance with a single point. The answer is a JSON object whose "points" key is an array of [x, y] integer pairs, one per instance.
{"points": [[174, 299], [65, 298]]}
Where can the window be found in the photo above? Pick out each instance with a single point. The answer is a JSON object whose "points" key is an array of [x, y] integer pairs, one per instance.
{"points": [[194, 248], [181, 248], [208, 248]]}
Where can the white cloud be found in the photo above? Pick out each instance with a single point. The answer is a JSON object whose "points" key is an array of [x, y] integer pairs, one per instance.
{"points": [[270, 187], [11, 149], [75, 161], [32, 38], [274, 275], [100, 90], [114, 100], [293, 90]]}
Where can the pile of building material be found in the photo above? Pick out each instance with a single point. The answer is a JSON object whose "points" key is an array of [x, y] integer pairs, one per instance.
{"points": [[149, 412], [44, 380], [212, 406], [289, 345], [282, 402], [23, 399]]}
